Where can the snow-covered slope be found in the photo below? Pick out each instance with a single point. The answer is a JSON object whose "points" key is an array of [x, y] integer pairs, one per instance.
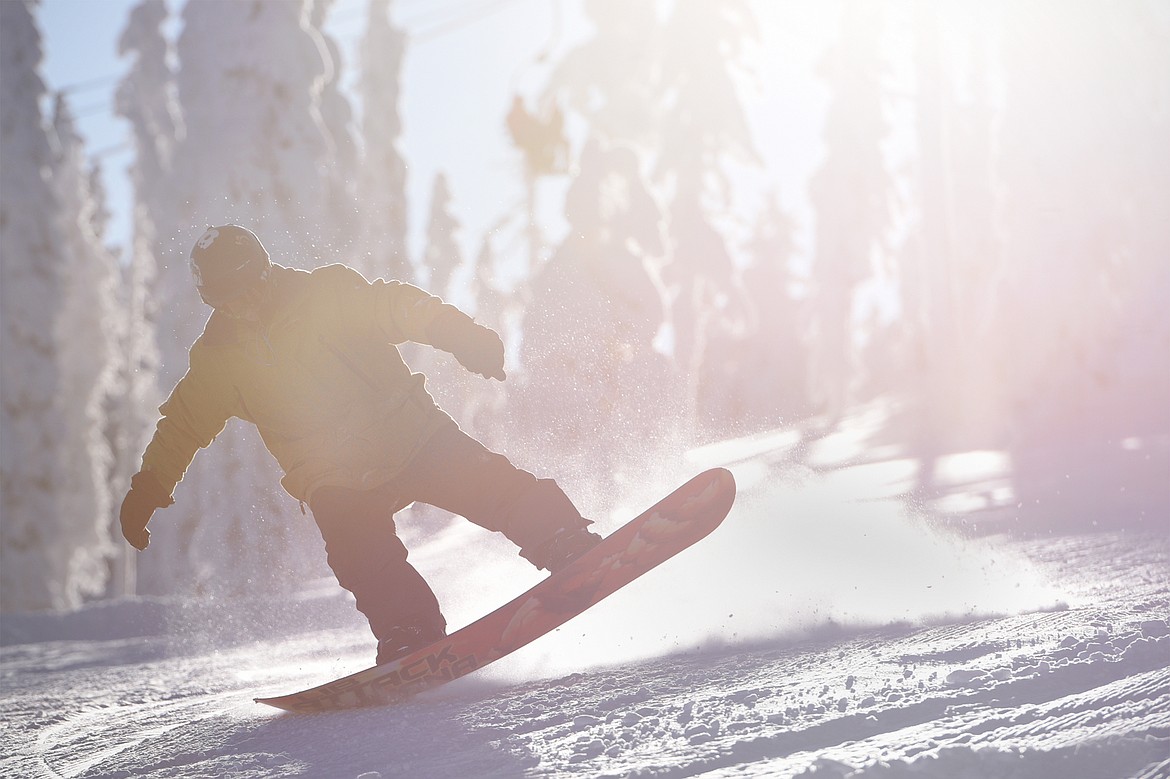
{"points": [[821, 632]]}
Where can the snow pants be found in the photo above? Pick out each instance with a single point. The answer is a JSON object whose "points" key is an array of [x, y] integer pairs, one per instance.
{"points": [[453, 472]]}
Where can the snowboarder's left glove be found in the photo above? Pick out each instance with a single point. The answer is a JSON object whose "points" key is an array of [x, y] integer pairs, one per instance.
{"points": [[139, 505], [477, 348]]}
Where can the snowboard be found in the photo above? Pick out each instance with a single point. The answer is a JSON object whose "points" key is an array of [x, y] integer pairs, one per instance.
{"points": [[676, 522]]}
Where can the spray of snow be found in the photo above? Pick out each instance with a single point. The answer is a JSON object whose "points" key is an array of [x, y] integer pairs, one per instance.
{"points": [[803, 551]]}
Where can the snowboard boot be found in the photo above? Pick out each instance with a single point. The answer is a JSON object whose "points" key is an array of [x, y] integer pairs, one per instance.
{"points": [[403, 639], [563, 548]]}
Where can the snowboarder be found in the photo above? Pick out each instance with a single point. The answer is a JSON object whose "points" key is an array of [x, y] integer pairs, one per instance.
{"points": [[311, 359]]}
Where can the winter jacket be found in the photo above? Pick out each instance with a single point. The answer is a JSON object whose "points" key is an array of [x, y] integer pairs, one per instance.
{"points": [[320, 377]]}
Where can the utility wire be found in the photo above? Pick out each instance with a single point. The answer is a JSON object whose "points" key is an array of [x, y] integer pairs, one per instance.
{"points": [[89, 84], [91, 110], [444, 28], [431, 10], [116, 148]]}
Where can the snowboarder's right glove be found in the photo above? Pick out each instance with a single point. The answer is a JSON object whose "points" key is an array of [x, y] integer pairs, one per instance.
{"points": [[145, 495], [477, 348]]}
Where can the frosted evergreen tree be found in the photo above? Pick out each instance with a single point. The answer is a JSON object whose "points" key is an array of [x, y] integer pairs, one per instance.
{"points": [[441, 257], [382, 186], [97, 214], [52, 534], [703, 128], [148, 100], [345, 217], [451, 385], [763, 374], [976, 243], [611, 78], [484, 412], [86, 331], [609, 85], [951, 266], [249, 82], [32, 255], [1084, 163], [850, 193], [490, 301]]}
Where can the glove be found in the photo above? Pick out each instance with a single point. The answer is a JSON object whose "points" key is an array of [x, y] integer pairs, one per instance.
{"points": [[145, 495], [477, 348]]}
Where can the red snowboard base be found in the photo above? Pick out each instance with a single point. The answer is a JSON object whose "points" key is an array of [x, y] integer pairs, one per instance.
{"points": [[657, 534]]}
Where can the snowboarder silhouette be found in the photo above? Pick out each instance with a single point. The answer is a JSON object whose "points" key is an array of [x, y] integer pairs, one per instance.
{"points": [[310, 358]]}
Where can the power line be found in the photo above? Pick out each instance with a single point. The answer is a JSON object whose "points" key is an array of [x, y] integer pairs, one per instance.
{"points": [[440, 29], [91, 110], [116, 148], [93, 83], [426, 11]]}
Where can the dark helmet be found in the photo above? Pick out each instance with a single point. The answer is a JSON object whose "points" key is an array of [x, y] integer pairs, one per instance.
{"points": [[226, 262]]}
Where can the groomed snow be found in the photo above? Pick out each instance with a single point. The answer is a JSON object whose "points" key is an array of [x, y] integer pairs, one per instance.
{"points": [[823, 631]]}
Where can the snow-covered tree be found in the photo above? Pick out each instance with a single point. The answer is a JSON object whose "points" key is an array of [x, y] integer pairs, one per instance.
{"points": [[610, 79], [941, 354], [55, 306], [148, 100], [703, 128], [382, 186], [490, 300], [441, 257], [31, 253], [483, 411], [86, 330], [452, 386], [761, 376], [1084, 162], [345, 215], [850, 193]]}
